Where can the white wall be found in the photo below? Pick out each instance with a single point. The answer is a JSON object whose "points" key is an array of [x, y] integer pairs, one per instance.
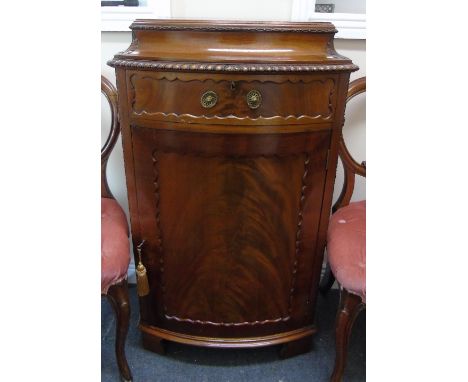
{"points": [[354, 131], [232, 10], [111, 43]]}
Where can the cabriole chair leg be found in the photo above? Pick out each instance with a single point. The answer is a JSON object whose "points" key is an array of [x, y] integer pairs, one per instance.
{"points": [[118, 297], [349, 308]]}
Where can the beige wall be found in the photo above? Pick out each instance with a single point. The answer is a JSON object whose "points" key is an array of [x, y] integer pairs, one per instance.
{"points": [[232, 10], [354, 130], [111, 43]]}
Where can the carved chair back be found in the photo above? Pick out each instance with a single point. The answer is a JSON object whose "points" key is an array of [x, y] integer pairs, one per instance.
{"points": [[350, 166], [110, 92]]}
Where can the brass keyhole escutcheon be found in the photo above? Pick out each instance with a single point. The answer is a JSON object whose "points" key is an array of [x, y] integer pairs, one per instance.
{"points": [[254, 99], [209, 99]]}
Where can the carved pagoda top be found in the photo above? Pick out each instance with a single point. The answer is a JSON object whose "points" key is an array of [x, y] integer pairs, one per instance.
{"points": [[232, 46]]}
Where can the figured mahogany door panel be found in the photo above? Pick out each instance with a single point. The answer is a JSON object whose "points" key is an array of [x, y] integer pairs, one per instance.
{"points": [[223, 218], [234, 99]]}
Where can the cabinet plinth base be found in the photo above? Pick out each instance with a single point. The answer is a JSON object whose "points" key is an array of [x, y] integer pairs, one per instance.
{"points": [[295, 342], [293, 348], [153, 343]]}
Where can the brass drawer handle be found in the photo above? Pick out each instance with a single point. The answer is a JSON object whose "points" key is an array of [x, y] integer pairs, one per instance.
{"points": [[254, 99], [209, 99]]}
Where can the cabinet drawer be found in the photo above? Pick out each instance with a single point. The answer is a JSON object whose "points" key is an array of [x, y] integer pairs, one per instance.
{"points": [[236, 99]]}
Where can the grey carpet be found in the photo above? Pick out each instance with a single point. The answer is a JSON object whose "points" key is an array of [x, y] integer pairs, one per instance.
{"points": [[184, 363]]}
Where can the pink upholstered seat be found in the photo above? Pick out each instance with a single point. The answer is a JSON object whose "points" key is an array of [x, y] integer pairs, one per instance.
{"points": [[346, 247], [115, 247]]}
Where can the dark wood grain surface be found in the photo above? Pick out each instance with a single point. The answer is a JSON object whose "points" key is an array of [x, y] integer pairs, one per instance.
{"points": [[232, 201], [296, 96], [239, 217]]}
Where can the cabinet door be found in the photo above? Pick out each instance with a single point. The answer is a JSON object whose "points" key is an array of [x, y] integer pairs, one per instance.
{"points": [[230, 224]]}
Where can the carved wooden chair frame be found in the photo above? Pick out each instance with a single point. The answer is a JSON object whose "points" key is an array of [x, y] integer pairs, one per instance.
{"points": [[117, 293], [351, 168], [350, 305]]}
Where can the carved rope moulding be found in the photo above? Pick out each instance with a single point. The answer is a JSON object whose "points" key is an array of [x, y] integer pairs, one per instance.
{"points": [[184, 66], [228, 324], [173, 117], [177, 76], [313, 28]]}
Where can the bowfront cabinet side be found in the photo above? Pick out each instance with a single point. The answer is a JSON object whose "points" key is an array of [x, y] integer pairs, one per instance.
{"points": [[230, 134]]}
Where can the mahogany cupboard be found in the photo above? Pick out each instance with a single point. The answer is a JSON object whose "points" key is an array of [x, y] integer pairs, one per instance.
{"points": [[230, 133]]}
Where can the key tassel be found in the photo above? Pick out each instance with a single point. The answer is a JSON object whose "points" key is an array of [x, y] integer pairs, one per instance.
{"points": [[142, 277]]}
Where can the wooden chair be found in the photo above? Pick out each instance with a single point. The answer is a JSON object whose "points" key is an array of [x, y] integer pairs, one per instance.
{"points": [[115, 246], [346, 248]]}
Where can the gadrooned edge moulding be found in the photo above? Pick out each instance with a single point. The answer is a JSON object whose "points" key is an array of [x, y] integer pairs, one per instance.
{"points": [[184, 66]]}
